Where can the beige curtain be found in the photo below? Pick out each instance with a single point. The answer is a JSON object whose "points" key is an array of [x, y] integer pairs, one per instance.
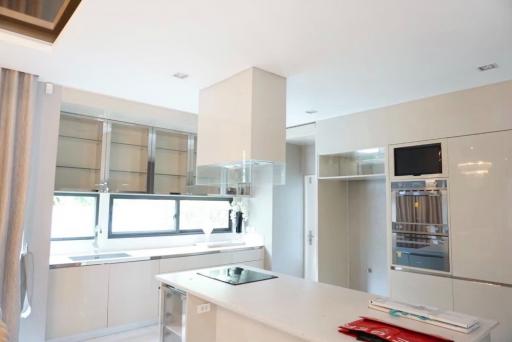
{"points": [[17, 100]]}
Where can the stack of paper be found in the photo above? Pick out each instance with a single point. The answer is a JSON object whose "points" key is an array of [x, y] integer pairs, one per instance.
{"points": [[443, 318]]}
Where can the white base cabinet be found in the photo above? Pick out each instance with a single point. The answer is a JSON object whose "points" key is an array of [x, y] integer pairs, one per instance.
{"points": [[90, 301], [485, 300], [470, 297], [422, 289], [77, 300], [133, 293]]}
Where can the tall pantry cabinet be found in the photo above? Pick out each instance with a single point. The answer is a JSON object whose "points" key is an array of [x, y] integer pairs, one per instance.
{"points": [[480, 169]]}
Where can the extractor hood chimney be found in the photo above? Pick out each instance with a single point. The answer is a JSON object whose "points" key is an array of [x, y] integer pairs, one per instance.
{"points": [[242, 129]]}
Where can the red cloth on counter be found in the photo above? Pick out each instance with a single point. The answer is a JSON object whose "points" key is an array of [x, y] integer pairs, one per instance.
{"points": [[386, 332]]}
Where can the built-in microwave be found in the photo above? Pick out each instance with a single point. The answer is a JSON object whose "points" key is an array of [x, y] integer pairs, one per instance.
{"points": [[418, 160]]}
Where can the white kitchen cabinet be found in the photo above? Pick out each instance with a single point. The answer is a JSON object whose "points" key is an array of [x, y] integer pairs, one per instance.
{"points": [[480, 191], [77, 300], [422, 289], [133, 293], [488, 301], [89, 301]]}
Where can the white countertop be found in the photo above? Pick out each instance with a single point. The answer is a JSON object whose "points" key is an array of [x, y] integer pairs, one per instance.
{"points": [[57, 261], [305, 309]]}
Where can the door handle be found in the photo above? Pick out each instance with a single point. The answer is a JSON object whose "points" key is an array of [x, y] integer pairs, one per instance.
{"points": [[310, 237], [26, 276]]}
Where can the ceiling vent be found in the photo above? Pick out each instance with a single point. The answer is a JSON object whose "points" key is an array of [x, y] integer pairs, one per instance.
{"points": [[488, 67]]}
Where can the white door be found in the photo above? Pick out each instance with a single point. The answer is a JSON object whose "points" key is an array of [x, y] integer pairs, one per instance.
{"points": [[310, 229]]}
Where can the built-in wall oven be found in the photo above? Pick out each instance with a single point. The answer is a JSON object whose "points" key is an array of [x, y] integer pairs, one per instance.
{"points": [[420, 224]]}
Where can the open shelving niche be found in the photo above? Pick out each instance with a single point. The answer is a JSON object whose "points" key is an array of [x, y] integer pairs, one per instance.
{"points": [[353, 165], [351, 220]]}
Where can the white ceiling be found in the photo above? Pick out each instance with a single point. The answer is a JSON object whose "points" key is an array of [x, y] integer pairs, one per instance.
{"points": [[340, 56]]}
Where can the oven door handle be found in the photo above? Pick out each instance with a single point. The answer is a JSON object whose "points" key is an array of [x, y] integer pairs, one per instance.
{"points": [[432, 193], [409, 232], [425, 255]]}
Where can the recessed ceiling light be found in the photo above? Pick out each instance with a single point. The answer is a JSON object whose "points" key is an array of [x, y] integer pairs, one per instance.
{"points": [[488, 67], [180, 75], [311, 111]]}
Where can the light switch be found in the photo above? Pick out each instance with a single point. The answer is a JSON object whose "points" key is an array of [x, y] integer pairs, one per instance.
{"points": [[203, 308]]}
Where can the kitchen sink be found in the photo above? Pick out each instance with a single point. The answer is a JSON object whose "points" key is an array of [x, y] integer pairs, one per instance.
{"points": [[99, 256]]}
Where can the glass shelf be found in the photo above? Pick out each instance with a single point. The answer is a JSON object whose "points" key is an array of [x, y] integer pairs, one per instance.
{"points": [[354, 165], [129, 156], [79, 153], [171, 162], [104, 155]]}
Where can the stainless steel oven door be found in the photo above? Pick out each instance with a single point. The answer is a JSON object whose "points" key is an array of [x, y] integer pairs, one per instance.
{"points": [[417, 203], [422, 249]]}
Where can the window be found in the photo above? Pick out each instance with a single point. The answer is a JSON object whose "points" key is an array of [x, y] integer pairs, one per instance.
{"points": [[66, 208], [197, 213], [136, 215], [149, 215]]}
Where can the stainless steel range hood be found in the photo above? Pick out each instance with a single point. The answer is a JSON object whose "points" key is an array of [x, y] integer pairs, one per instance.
{"points": [[242, 130]]}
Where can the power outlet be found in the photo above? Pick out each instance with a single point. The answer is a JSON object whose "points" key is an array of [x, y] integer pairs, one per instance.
{"points": [[203, 308]]}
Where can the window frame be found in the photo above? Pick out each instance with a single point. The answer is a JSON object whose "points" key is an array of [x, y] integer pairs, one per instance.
{"points": [[77, 194], [176, 231]]}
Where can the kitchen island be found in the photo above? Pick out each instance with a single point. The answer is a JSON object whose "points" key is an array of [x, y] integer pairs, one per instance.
{"points": [[281, 309]]}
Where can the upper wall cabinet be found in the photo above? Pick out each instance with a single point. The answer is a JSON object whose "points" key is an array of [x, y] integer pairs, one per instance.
{"points": [[79, 154], [480, 188], [104, 155], [172, 162], [129, 157], [359, 164]]}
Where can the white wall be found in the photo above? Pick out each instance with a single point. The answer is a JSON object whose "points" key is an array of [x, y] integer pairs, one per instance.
{"points": [[352, 234], [44, 154], [82, 102], [308, 159], [333, 238], [288, 217], [476, 110], [367, 234], [261, 208]]}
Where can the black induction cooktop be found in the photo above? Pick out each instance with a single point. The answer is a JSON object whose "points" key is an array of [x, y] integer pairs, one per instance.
{"points": [[236, 275]]}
